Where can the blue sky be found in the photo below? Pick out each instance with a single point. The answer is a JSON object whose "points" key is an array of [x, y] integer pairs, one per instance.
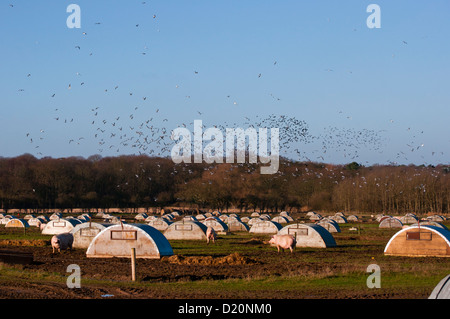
{"points": [[228, 63]]}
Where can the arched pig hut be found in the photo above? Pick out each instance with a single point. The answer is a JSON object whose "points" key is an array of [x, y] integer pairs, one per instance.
{"points": [[17, 223], [185, 229], [420, 241], [390, 222], [117, 241], [236, 225], [309, 235], [265, 227], [217, 224], [408, 219], [339, 219], [59, 226], [84, 233], [160, 224], [280, 220], [329, 224]]}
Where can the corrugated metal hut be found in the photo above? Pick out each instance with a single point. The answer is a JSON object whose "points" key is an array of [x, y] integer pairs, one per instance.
{"points": [[217, 224], [117, 241], [280, 220], [56, 216], [185, 229], [353, 218], [265, 227], [17, 223], [315, 216], [59, 226], [84, 233], [309, 235], [339, 219], [442, 289], [408, 219], [390, 222], [160, 224], [420, 241], [437, 224], [436, 218], [236, 225], [37, 222], [329, 224]]}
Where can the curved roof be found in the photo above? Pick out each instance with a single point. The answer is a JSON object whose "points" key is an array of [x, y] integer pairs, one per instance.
{"points": [[280, 219], [445, 234], [186, 229], [216, 223], [105, 245], [442, 289], [90, 225], [329, 224], [17, 222], [431, 223], [265, 226], [61, 225], [318, 237], [390, 222]]}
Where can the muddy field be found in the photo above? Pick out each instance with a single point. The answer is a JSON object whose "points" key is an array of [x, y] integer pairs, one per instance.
{"points": [[199, 271]]}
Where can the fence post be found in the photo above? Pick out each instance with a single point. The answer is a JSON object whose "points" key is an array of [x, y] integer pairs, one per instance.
{"points": [[133, 264]]}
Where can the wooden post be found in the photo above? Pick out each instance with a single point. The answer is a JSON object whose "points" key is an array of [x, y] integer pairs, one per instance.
{"points": [[133, 264]]}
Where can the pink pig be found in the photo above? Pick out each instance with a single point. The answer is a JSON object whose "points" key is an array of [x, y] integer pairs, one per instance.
{"points": [[283, 242], [62, 241], [210, 235]]}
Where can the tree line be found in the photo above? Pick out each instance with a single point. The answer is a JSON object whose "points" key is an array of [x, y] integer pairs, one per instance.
{"points": [[132, 181]]}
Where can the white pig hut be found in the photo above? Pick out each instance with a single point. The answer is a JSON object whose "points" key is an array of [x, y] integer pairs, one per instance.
{"points": [[160, 224], [265, 227], [353, 218], [118, 241], [390, 222], [436, 218], [235, 225], [339, 219], [217, 224], [5, 220], [85, 232], [141, 216], [442, 289], [419, 241], [185, 229], [280, 220], [59, 226], [329, 224], [431, 224], [37, 222], [56, 216], [408, 219], [254, 220], [17, 223], [309, 235]]}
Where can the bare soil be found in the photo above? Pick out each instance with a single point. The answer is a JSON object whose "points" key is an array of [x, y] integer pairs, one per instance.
{"points": [[105, 273]]}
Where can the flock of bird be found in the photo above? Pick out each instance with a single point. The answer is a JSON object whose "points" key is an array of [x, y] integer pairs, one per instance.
{"points": [[141, 129]]}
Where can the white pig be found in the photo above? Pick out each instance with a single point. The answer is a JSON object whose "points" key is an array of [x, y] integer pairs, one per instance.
{"points": [[210, 235], [283, 242], [62, 241]]}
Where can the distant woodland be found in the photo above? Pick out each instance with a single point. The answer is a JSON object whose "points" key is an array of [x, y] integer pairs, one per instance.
{"points": [[143, 181]]}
